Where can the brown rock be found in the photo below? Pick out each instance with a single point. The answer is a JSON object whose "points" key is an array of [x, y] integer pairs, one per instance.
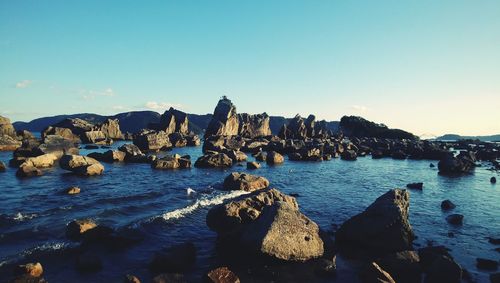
{"points": [[373, 273], [8, 143], [28, 171], [72, 190], [77, 228], [30, 269], [245, 182], [222, 275], [218, 160], [131, 279], [253, 165], [274, 158], [225, 121]]}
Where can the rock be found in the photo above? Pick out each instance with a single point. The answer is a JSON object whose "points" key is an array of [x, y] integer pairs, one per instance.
{"points": [[447, 205], [169, 278], [131, 279], [222, 275], [62, 132], [373, 273], [282, 232], [178, 258], [443, 269], [495, 278], [219, 160], [76, 228], [30, 269], [173, 121], [349, 155], [91, 146], [152, 140], [28, 171], [76, 125], [296, 129], [455, 219], [399, 154], [2, 167], [130, 150], [91, 170], [95, 137], [109, 156], [486, 264], [81, 165], [171, 162], [245, 182], [382, 228], [403, 266], [417, 186], [493, 180], [250, 165], [72, 190], [6, 127], [274, 158], [252, 126], [432, 165], [450, 165], [111, 129], [230, 217], [193, 140], [8, 143], [236, 156], [326, 267], [41, 161], [225, 121], [88, 262], [261, 156], [57, 145], [494, 241], [177, 140]]}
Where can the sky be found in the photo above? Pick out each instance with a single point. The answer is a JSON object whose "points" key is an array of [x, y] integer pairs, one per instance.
{"points": [[429, 67]]}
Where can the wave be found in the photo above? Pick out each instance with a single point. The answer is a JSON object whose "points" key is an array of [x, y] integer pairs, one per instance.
{"points": [[22, 217], [202, 202]]}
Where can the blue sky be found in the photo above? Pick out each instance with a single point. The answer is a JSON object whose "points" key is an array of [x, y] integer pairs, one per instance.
{"points": [[431, 67]]}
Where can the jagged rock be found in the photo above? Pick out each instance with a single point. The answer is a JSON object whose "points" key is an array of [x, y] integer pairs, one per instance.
{"points": [[236, 156], [373, 273], [63, 132], [297, 128], [131, 151], [76, 228], [403, 266], [245, 182], [178, 258], [229, 217], [447, 205], [252, 126], [455, 219], [218, 160], [81, 165], [6, 127], [30, 269], [253, 165], [282, 232], [95, 137], [171, 162], [349, 155], [178, 140], [111, 129], [41, 161], [193, 140], [173, 121], [152, 140], [222, 275], [382, 228], [76, 125], [273, 158], [225, 121], [28, 171], [455, 165], [354, 126], [8, 143], [109, 156], [57, 145]]}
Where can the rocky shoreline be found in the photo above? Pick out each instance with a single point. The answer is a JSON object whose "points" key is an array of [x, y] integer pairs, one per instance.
{"points": [[263, 230]]}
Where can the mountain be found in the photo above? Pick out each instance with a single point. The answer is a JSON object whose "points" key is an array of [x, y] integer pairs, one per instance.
{"points": [[454, 137]]}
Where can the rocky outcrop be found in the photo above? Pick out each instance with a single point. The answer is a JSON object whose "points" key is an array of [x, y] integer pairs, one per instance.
{"points": [[383, 228], [172, 121], [354, 126], [225, 121], [76, 130], [111, 129], [252, 126], [57, 145], [6, 127], [81, 165], [245, 182], [8, 143], [214, 160], [172, 162], [152, 140], [63, 132], [450, 165]]}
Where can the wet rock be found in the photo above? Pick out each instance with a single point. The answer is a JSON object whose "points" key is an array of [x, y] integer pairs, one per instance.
{"points": [[447, 205], [131, 150], [169, 278], [382, 228], [486, 264], [193, 140], [230, 217], [236, 156], [282, 232], [349, 155], [261, 156], [95, 137], [41, 161], [131, 279], [439, 265], [2, 167], [252, 126], [455, 165], [222, 275], [250, 165], [171, 162], [218, 160], [493, 180], [225, 120], [178, 258], [76, 228], [274, 158], [8, 143], [373, 273], [109, 156], [72, 190], [403, 266], [81, 165], [152, 140], [455, 219], [28, 171], [416, 186], [399, 154], [432, 165], [245, 182], [88, 262], [30, 269]]}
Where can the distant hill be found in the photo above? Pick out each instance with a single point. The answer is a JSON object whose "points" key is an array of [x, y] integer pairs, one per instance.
{"points": [[454, 137], [355, 126]]}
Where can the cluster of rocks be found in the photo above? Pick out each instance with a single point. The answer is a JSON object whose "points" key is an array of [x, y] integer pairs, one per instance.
{"points": [[81, 131]]}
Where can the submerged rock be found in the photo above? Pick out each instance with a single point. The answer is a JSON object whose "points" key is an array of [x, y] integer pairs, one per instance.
{"points": [[88, 262], [245, 182], [493, 180], [382, 228], [403, 266], [486, 264], [439, 265], [417, 186], [455, 219], [72, 190], [30, 269], [447, 205], [76, 228]]}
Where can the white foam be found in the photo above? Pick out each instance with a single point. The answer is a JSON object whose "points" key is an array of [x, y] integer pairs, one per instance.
{"points": [[21, 217], [202, 202], [190, 192]]}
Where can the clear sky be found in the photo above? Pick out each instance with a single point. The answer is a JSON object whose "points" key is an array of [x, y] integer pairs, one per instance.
{"points": [[427, 66]]}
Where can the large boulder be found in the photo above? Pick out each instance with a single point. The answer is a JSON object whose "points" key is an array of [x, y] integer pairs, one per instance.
{"points": [[214, 160], [41, 161], [111, 129], [455, 165], [63, 132], [171, 162], [274, 158], [282, 232], [8, 143], [109, 156], [76, 125], [96, 137], [152, 140], [439, 265], [81, 165], [58, 146], [383, 228], [252, 126], [225, 121], [245, 182]]}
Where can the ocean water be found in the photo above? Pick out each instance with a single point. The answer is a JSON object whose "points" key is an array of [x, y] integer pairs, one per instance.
{"points": [[169, 207]]}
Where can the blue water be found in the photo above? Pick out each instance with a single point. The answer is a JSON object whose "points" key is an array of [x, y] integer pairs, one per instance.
{"points": [[34, 213]]}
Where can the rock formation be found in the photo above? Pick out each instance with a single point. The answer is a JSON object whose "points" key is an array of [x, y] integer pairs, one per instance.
{"points": [[252, 126]]}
